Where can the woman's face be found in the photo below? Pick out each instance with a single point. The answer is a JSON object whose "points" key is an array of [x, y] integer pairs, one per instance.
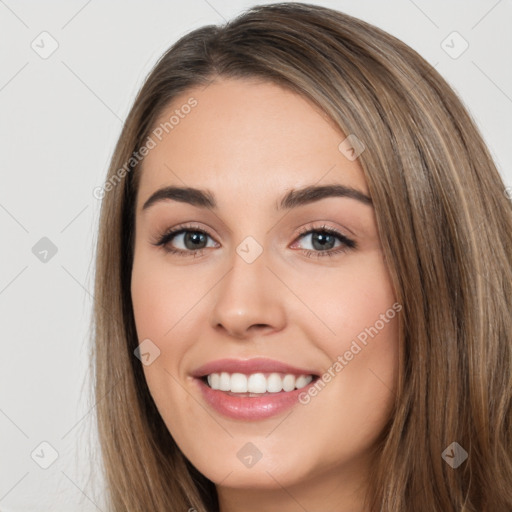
{"points": [[260, 296]]}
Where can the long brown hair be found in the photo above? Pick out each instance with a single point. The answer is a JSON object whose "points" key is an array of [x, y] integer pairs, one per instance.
{"points": [[445, 224]]}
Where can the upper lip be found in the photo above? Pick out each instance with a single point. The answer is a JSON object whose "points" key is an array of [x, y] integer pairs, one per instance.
{"points": [[248, 366]]}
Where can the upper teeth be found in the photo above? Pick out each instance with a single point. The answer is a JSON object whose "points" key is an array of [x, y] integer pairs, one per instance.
{"points": [[257, 382]]}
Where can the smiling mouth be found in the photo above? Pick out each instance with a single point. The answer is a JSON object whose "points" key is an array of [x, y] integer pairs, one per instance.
{"points": [[256, 384]]}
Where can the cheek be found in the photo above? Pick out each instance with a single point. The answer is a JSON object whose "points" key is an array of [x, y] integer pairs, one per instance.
{"points": [[162, 304], [163, 297], [356, 395], [357, 314], [345, 302]]}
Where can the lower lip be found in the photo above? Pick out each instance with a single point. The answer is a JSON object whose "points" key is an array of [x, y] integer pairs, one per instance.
{"points": [[251, 408]]}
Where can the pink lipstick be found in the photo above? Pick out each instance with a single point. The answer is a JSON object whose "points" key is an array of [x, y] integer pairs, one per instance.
{"points": [[252, 389]]}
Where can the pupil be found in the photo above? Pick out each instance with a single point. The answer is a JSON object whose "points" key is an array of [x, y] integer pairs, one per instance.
{"points": [[321, 238]]}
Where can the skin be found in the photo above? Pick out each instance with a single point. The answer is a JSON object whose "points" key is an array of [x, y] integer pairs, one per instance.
{"points": [[249, 142]]}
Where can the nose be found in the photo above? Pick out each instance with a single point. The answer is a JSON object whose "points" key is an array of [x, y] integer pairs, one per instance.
{"points": [[249, 300]]}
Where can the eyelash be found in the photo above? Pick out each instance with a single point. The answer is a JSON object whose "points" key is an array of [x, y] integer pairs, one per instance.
{"points": [[168, 236]]}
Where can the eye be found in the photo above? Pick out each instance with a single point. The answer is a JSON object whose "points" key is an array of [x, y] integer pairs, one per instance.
{"points": [[323, 241], [192, 239]]}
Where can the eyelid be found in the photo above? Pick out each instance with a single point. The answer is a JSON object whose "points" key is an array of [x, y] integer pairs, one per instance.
{"points": [[178, 229], [324, 227], [349, 243]]}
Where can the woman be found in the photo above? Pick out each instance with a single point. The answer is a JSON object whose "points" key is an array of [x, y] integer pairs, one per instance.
{"points": [[241, 369]]}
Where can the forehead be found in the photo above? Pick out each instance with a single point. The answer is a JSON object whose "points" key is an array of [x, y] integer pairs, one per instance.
{"points": [[246, 138]]}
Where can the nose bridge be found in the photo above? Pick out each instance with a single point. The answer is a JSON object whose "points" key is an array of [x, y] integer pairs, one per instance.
{"points": [[249, 267], [247, 295]]}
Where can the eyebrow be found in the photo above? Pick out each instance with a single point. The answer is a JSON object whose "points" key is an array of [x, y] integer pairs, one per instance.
{"points": [[292, 199]]}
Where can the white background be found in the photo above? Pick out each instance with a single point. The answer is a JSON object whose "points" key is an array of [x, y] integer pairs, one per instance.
{"points": [[59, 120]]}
